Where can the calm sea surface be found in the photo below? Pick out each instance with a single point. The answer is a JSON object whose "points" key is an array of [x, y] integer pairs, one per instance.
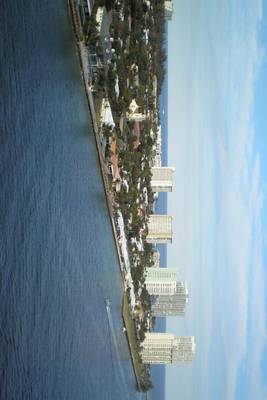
{"points": [[57, 256]]}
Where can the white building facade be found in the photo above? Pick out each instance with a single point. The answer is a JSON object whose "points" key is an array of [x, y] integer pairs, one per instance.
{"points": [[166, 348], [138, 117], [162, 179], [159, 229], [161, 281], [171, 305], [156, 162]]}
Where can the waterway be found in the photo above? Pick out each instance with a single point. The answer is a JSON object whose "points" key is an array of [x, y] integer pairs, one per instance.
{"points": [[58, 260]]}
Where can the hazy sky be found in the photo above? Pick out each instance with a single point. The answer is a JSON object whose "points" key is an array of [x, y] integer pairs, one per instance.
{"points": [[218, 145]]}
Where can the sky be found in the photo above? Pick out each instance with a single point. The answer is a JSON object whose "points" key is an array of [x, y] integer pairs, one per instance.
{"points": [[217, 118]]}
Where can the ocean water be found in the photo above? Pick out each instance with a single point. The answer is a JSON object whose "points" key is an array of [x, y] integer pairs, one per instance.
{"points": [[58, 263]]}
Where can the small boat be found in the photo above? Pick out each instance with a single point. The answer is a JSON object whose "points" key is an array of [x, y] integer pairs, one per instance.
{"points": [[108, 303]]}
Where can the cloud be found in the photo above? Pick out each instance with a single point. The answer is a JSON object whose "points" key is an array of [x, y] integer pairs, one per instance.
{"points": [[240, 291], [240, 236], [257, 389], [219, 199]]}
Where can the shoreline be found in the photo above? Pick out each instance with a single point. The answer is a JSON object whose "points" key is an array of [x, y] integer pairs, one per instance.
{"points": [[90, 101], [80, 50]]}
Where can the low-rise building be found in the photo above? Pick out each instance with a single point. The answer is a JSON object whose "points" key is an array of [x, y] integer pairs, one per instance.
{"points": [[103, 21], [168, 9]]}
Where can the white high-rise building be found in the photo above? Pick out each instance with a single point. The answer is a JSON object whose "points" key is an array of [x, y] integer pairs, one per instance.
{"points": [[159, 229], [166, 348], [161, 180], [161, 281], [175, 304], [168, 9]]}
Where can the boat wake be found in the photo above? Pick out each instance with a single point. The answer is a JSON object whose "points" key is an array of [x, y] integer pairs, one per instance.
{"points": [[116, 346]]}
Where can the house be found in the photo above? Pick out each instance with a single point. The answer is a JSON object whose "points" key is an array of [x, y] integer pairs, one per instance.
{"points": [[133, 115]]}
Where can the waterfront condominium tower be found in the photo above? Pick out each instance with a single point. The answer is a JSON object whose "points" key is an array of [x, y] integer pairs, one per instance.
{"points": [[159, 229], [166, 348], [161, 281], [171, 304], [161, 180]]}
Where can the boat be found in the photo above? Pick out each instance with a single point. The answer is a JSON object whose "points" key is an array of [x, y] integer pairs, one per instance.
{"points": [[108, 303]]}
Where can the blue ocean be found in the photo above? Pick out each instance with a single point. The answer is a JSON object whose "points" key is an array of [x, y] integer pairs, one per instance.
{"points": [[58, 262]]}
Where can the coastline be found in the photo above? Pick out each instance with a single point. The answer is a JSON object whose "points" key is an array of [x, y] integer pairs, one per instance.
{"points": [[90, 101], [108, 194]]}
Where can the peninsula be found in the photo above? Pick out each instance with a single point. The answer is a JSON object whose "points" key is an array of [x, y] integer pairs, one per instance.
{"points": [[121, 52]]}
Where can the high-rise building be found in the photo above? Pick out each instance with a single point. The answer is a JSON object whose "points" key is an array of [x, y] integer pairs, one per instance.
{"points": [[174, 304], [159, 229], [161, 180], [161, 281], [168, 9], [166, 348]]}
